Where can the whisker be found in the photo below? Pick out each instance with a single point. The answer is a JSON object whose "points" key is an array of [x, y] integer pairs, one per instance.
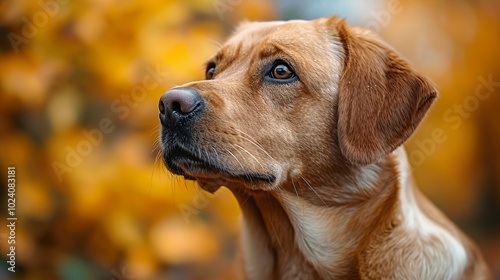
{"points": [[235, 146], [302, 194], [157, 149], [209, 159], [278, 239], [250, 139], [155, 164], [155, 130], [243, 203], [217, 158], [199, 152], [156, 146], [242, 168], [293, 184], [313, 190], [250, 154], [248, 136], [217, 43]]}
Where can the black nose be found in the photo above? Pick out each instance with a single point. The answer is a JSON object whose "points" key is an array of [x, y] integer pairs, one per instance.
{"points": [[179, 103]]}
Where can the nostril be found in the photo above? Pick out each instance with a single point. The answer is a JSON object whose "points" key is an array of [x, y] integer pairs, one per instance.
{"points": [[176, 107], [161, 106]]}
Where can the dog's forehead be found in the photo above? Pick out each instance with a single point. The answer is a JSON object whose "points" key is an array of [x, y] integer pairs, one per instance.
{"points": [[261, 28], [293, 35], [257, 31]]}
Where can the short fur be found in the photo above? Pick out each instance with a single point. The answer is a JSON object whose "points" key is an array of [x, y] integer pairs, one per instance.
{"points": [[317, 164]]}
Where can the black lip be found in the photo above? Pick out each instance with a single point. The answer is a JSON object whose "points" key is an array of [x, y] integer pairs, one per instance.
{"points": [[177, 159], [180, 153]]}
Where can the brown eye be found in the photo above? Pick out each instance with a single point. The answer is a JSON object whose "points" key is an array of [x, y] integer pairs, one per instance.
{"points": [[281, 71], [210, 72]]}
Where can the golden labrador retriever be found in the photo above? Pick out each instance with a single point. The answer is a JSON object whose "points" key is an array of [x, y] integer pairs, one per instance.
{"points": [[304, 121]]}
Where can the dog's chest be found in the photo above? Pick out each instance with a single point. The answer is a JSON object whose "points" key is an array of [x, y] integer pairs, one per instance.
{"points": [[321, 236]]}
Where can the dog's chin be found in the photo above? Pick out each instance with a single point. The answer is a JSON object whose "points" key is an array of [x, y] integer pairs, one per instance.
{"points": [[211, 174]]}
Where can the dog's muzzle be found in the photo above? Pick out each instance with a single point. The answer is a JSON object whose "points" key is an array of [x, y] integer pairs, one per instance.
{"points": [[180, 108]]}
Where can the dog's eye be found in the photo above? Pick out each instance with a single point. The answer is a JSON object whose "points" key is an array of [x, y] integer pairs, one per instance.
{"points": [[281, 72], [210, 71]]}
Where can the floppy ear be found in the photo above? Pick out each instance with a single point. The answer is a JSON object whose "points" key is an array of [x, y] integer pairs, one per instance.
{"points": [[381, 99]]}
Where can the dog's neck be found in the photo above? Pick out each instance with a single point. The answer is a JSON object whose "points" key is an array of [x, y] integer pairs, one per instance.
{"points": [[317, 229]]}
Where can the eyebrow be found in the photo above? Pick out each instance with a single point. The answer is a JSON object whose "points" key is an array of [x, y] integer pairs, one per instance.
{"points": [[271, 49], [227, 51]]}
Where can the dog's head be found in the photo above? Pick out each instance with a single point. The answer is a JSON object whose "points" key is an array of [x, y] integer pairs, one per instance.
{"points": [[288, 99]]}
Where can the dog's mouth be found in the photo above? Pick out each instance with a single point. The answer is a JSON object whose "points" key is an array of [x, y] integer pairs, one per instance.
{"points": [[183, 162], [205, 167]]}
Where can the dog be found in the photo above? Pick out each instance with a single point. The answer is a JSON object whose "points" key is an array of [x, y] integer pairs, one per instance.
{"points": [[304, 122]]}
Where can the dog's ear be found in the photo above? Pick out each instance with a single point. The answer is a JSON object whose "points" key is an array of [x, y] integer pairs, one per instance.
{"points": [[381, 99]]}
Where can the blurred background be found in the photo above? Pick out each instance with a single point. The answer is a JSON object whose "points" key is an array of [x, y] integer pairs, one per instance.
{"points": [[79, 88]]}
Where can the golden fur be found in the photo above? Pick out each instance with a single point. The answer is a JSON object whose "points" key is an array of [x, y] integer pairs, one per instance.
{"points": [[315, 163]]}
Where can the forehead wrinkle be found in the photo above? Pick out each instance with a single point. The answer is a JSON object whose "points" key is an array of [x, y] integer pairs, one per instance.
{"points": [[270, 49], [252, 36], [229, 51], [273, 44], [225, 57], [254, 29]]}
